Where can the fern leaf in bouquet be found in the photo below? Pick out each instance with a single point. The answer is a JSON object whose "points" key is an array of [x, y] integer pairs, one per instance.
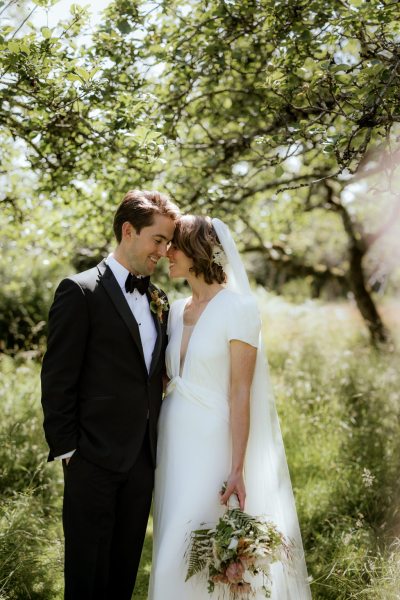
{"points": [[197, 557]]}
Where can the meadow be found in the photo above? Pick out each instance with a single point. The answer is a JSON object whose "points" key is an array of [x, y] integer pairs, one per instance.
{"points": [[338, 401]]}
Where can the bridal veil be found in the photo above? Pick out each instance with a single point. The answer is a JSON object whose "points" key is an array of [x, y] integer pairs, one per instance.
{"points": [[268, 485]]}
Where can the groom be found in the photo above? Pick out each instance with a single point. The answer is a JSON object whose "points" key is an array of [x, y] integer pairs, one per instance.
{"points": [[101, 395]]}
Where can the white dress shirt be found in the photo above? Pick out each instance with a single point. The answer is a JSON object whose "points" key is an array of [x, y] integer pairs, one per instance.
{"points": [[139, 305]]}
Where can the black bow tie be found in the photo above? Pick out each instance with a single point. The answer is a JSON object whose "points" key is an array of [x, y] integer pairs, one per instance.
{"points": [[139, 283]]}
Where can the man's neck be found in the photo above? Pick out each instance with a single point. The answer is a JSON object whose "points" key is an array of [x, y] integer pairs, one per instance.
{"points": [[119, 257]]}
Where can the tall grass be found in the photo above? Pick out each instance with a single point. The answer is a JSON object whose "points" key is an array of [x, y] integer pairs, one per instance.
{"points": [[338, 401], [30, 549]]}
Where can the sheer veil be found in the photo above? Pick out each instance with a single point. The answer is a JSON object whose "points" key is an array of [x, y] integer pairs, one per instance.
{"points": [[268, 485]]}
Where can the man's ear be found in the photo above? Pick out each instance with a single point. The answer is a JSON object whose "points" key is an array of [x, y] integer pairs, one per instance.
{"points": [[128, 230]]}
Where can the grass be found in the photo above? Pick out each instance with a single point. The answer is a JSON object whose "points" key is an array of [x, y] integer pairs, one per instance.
{"points": [[338, 401], [30, 548], [145, 566]]}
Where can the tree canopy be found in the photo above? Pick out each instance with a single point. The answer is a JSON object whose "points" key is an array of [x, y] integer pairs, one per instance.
{"points": [[269, 113]]}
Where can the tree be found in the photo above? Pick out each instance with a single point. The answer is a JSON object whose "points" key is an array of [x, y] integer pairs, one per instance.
{"points": [[286, 100], [62, 107], [263, 111]]}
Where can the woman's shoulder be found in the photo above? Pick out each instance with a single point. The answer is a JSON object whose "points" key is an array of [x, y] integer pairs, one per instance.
{"points": [[243, 321], [240, 302]]}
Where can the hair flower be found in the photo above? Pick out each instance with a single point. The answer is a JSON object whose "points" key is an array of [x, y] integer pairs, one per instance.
{"points": [[219, 256]]}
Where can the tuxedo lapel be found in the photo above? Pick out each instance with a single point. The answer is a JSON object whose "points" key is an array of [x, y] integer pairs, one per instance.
{"points": [[158, 344], [112, 288]]}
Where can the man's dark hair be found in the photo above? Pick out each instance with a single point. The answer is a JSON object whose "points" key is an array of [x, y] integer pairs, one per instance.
{"points": [[139, 208]]}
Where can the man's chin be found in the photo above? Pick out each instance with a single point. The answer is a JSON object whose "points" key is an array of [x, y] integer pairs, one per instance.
{"points": [[143, 272], [150, 268]]}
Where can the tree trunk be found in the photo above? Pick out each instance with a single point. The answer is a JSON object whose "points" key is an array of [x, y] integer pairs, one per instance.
{"points": [[358, 248], [363, 296]]}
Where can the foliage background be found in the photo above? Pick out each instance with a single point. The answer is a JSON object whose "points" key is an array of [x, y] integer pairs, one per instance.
{"points": [[280, 117]]}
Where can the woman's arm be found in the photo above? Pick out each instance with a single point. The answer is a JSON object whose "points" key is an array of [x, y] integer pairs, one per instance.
{"points": [[243, 360]]}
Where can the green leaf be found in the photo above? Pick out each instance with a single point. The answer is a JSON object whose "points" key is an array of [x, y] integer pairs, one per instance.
{"points": [[46, 32], [329, 148], [141, 134], [83, 74], [24, 47], [124, 26], [73, 77], [75, 9], [6, 30], [279, 171], [341, 67], [343, 77], [46, 3], [13, 46]]}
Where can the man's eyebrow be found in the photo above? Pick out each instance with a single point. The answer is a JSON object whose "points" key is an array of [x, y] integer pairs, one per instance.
{"points": [[161, 236]]}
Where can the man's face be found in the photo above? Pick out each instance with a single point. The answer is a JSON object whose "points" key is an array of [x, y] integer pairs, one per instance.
{"points": [[144, 249]]}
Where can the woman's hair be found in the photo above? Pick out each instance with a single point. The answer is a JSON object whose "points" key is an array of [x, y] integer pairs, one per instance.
{"points": [[196, 237], [139, 208]]}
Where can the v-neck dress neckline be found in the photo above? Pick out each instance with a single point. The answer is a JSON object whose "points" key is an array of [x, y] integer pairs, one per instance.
{"points": [[194, 328]]}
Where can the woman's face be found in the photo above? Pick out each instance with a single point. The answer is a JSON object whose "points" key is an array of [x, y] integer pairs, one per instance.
{"points": [[179, 263]]}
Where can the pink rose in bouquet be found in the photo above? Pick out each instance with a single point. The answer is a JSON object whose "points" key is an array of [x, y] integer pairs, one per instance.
{"points": [[234, 572]]}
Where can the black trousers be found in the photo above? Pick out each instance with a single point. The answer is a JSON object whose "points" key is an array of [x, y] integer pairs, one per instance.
{"points": [[104, 517]]}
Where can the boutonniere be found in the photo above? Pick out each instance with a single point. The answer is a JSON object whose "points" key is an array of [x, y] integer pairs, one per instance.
{"points": [[158, 305]]}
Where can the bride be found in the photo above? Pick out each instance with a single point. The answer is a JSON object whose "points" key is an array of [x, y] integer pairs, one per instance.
{"points": [[218, 420]]}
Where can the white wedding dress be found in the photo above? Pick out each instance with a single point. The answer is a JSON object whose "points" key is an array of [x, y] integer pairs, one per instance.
{"points": [[194, 443]]}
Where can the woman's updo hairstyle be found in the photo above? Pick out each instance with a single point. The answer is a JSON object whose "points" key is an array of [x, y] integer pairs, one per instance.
{"points": [[196, 237]]}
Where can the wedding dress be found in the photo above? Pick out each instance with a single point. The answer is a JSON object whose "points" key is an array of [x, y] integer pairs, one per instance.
{"points": [[194, 443]]}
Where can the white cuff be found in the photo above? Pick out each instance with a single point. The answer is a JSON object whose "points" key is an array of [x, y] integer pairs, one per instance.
{"points": [[66, 455]]}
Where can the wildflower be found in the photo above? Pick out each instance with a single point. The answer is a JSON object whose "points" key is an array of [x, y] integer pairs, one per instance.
{"points": [[368, 478]]}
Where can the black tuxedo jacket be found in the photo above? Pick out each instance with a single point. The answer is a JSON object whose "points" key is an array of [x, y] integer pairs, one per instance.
{"points": [[97, 394]]}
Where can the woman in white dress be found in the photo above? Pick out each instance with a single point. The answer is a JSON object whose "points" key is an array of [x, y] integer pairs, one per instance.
{"points": [[218, 420]]}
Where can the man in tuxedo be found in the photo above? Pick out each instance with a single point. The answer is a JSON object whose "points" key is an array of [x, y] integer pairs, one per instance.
{"points": [[101, 395]]}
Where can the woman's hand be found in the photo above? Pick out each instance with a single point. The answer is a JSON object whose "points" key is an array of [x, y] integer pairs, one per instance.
{"points": [[235, 485]]}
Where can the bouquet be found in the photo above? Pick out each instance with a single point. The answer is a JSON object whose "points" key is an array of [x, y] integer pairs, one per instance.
{"points": [[238, 544]]}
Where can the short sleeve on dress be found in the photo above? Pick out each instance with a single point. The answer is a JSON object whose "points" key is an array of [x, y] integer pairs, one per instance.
{"points": [[244, 320]]}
